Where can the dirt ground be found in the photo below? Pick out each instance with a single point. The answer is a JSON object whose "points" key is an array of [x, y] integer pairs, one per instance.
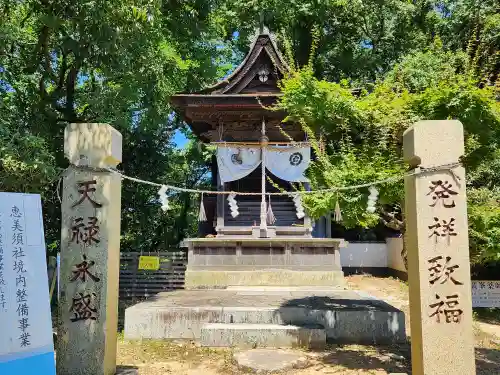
{"points": [[185, 358]]}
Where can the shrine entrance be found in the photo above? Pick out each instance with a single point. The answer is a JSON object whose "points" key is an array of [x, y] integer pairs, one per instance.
{"points": [[283, 208]]}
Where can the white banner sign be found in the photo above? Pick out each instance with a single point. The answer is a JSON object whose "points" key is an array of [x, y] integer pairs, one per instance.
{"points": [[485, 293], [26, 345]]}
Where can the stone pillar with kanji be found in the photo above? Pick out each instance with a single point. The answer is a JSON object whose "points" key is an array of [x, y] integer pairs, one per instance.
{"points": [[90, 251], [437, 243]]}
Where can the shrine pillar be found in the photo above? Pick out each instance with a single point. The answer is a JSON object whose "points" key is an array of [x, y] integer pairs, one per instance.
{"points": [[90, 251], [442, 340]]}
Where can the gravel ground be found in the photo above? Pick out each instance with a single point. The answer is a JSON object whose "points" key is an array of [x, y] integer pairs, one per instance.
{"points": [[186, 358]]}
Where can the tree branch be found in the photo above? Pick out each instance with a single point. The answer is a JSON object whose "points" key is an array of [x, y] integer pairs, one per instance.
{"points": [[70, 94]]}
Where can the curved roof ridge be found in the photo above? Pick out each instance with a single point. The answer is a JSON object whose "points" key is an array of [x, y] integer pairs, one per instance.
{"points": [[258, 34]]}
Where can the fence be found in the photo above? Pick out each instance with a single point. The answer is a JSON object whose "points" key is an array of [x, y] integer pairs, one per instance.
{"points": [[140, 284]]}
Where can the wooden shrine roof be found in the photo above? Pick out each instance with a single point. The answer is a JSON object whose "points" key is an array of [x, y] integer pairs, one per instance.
{"points": [[238, 102]]}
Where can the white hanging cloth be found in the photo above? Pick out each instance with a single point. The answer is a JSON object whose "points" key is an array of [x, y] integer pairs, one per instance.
{"points": [[288, 163], [237, 162]]}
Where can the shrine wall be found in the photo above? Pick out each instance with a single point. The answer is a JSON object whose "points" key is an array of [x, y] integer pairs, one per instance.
{"points": [[364, 254], [376, 258], [394, 248]]}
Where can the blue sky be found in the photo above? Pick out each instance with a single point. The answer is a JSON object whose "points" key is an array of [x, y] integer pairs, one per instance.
{"points": [[179, 139]]}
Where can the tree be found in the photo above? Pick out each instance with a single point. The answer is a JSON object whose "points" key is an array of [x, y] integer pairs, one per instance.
{"points": [[115, 62], [118, 62], [365, 138]]}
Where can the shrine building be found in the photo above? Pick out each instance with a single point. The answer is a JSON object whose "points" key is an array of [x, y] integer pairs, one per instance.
{"points": [[260, 273], [260, 239]]}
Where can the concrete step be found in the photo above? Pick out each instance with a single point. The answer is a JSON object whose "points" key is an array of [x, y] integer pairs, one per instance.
{"points": [[261, 335], [347, 316]]}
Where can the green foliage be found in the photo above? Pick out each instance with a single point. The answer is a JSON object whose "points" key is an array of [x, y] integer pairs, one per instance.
{"points": [[358, 40], [351, 166], [119, 61], [418, 69], [26, 163], [484, 224], [365, 137], [115, 62]]}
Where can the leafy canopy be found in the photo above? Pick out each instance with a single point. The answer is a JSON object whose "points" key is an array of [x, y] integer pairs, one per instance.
{"points": [[364, 136]]}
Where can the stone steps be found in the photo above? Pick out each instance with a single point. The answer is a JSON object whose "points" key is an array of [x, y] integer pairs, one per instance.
{"points": [[341, 325], [242, 315], [261, 335]]}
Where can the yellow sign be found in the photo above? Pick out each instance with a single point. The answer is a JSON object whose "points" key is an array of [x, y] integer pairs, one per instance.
{"points": [[149, 263]]}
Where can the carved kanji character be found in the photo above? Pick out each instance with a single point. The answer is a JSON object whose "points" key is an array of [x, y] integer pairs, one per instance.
{"points": [[85, 234], [82, 308], [24, 338], [452, 315], [442, 192], [22, 310], [442, 229], [84, 188], [17, 239], [18, 252], [23, 324], [19, 266], [439, 272], [81, 271], [21, 281], [16, 226]]}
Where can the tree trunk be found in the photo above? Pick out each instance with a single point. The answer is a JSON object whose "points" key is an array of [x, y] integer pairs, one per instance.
{"points": [[404, 252]]}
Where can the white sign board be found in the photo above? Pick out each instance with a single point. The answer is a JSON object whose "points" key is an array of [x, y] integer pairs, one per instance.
{"points": [[26, 345], [485, 293]]}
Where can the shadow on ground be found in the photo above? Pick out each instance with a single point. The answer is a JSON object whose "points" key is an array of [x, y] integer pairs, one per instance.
{"points": [[398, 359], [329, 303], [487, 315], [391, 359], [487, 361]]}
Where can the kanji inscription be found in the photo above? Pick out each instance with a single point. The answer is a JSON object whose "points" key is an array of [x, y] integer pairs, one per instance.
{"points": [[82, 270], [442, 272], [85, 234], [85, 188], [18, 257], [442, 192], [442, 228], [83, 307], [448, 308], [3, 301], [441, 268]]}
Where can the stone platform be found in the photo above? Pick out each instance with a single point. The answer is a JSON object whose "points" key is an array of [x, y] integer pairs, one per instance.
{"points": [[280, 261], [259, 316]]}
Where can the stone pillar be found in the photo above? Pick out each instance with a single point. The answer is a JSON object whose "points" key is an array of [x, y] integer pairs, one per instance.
{"points": [[442, 339], [90, 251]]}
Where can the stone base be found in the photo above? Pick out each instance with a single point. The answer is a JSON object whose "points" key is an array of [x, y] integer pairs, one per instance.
{"points": [[346, 316], [262, 335], [198, 279], [220, 262]]}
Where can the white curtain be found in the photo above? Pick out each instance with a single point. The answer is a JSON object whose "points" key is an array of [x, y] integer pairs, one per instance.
{"points": [[237, 162], [288, 163]]}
